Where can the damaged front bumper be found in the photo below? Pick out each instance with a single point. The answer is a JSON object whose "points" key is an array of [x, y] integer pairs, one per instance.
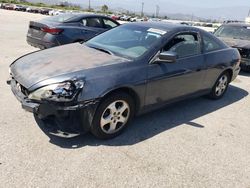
{"points": [[60, 119]]}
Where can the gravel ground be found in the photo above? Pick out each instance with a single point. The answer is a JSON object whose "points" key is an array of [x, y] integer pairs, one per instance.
{"points": [[195, 143]]}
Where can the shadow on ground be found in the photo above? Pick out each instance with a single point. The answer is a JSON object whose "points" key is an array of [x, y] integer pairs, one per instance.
{"points": [[151, 124], [243, 73]]}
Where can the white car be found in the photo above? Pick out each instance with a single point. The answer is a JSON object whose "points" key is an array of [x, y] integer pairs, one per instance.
{"points": [[51, 13], [140, 20], [133, 19], [28, 9], [154, 20], [125, 18], [59, 12]]}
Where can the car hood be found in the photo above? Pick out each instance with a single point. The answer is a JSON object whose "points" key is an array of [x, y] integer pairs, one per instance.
{"points": [[236, 43], [41, 65]]}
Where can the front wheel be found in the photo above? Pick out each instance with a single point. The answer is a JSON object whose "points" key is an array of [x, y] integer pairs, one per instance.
{"points": [[113, 115], [220, 86]]}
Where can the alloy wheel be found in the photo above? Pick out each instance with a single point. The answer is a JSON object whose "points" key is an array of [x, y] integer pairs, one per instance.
{"points": [[115, 116], [221, 85]]}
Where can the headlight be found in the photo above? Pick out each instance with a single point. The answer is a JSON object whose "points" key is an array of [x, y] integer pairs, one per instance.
{"points": [[64, 91]]}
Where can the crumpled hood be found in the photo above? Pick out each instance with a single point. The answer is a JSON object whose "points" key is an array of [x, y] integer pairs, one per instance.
{"points": [[41, 65], [236, 43]]}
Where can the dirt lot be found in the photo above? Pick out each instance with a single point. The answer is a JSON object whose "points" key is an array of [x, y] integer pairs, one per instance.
{"points": [[195, 143]]}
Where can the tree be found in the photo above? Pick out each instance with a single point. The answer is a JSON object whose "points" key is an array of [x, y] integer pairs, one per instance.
{"points": [[105, 8]]}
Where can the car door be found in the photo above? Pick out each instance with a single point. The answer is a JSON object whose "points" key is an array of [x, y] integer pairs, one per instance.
{"points": [[168, 81], [91, 27]]}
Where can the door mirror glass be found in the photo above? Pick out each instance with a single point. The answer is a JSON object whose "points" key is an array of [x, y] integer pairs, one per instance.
{"points": [[167, 57]]}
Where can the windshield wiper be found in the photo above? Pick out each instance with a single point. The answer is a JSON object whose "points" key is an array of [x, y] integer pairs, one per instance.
{"points": [[103, 50]]}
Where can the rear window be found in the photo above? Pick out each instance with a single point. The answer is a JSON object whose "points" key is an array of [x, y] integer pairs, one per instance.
{"points": [[211, 43], [61, 18]]}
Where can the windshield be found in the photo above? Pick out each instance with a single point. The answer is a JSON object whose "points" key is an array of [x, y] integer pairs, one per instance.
{"points": [[61, 18], [129, 41], [236, 32]]}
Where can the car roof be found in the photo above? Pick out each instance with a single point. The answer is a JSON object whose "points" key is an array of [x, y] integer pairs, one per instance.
{"points": [[78, 16], [165, 26], [238, 24], [82, 15]]}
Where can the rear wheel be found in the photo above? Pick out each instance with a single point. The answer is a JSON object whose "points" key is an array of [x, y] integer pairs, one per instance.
{"points": [[220, 86], [113, 115]]}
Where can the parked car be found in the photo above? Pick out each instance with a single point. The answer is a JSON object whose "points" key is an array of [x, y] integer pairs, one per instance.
{"points": [[28, 9], [59, 12], [51, 13], [207, 25], [133, 19], [154, 20], [20, 8], [115, 17], [125, 18], [33, 10], [237, 35], [137, 19], [132, 69], [9, 6], [67, 28], [45, 11]]}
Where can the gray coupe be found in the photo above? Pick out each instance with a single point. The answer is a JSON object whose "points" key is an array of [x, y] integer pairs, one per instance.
{"points": [[135, 68]]}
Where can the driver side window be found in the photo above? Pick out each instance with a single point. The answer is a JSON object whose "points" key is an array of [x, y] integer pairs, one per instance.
{"points": [[184, 45]]}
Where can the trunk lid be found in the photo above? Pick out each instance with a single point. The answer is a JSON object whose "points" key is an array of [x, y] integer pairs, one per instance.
{"points": [[36, 28]]}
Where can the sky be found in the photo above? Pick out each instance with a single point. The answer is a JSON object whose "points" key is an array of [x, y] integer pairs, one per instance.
{"points": [[226, 9], [191, 3], [214, 9], [211, 3]]}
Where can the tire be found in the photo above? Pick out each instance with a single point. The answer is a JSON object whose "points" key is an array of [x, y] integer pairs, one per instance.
{"points": [[220, 87], [81, 41], [113, 115]]}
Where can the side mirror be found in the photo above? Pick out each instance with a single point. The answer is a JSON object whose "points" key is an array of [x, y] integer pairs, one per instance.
{"points": [[167, 57]]}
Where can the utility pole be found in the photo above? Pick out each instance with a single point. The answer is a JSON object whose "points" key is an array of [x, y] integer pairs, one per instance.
{"points": [[157, 11], [89, 6], [249, 12], [142, 9]]}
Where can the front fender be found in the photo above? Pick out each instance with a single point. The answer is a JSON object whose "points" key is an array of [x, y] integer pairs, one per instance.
{"points": [[99, 84]]}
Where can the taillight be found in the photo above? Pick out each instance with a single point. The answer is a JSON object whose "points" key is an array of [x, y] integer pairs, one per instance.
{"points": [[53, 31]]}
